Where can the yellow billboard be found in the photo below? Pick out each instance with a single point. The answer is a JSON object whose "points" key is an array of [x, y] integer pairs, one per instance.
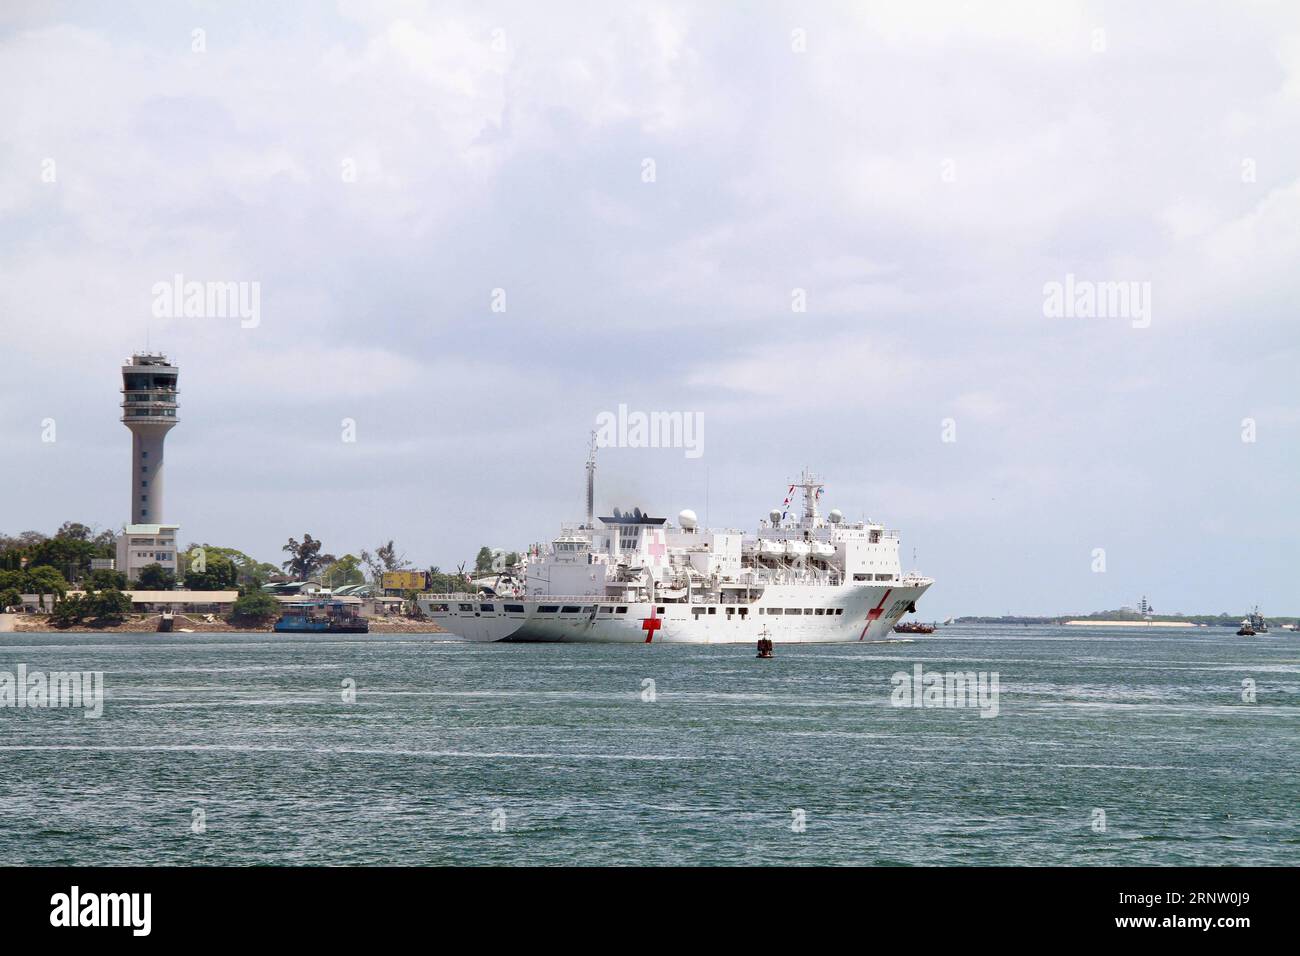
{"points": [[405, 580]]}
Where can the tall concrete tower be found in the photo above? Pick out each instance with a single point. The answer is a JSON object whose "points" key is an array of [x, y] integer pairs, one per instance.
{"points": [[149, 410]]}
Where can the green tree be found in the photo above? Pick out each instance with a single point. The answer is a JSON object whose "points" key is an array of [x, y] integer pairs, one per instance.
{"points": [[69, 611], [256, 606], [444, 583], [70, 555], [219, 573], [46, 580], [74, 530], [483, 562], [10, 597], [109, 606], [105, 579], [250, 574], [154, 577], [346, 570], [254, 574], [305, 559]]}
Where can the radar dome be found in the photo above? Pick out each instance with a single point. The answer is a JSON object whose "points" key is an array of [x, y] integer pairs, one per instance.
{"points": [[686, 518], [775, 515], [836, 516]]}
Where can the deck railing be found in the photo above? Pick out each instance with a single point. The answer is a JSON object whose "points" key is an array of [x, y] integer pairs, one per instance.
{"points": [[542, 598]]}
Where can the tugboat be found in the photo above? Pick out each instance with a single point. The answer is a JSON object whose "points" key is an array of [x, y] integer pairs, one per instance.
{"points": [[913, 627], [765, 646], [1253, 624], [322, 617]]}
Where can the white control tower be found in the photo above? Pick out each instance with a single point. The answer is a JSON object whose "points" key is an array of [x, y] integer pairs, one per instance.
{"points": [[149, 410]]}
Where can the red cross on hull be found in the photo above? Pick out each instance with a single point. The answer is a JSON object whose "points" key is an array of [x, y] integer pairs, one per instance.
{"points": [[650, 625], [874, 613]]}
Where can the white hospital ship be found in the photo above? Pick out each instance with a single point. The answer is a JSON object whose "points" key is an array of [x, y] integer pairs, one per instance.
{"points": [[631, 578]]}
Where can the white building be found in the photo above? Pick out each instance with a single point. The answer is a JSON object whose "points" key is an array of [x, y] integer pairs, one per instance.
{"points": [[143, 544]]}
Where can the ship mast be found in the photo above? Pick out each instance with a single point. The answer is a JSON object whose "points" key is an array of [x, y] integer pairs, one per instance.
{"points": [[811, 488], [591, 483]]}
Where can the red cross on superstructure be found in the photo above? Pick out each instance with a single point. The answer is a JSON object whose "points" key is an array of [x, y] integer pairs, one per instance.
{"points": [[874, 613]]}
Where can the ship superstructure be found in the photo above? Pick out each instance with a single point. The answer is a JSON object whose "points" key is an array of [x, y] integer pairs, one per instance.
{"points": [[631, 577]]}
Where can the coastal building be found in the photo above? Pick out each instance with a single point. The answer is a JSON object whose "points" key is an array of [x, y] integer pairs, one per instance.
{"points": [[193, 602], [143, 544], [149, 411]]}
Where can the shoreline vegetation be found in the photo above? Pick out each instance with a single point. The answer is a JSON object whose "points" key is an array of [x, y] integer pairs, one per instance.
{"points": [[197, 624], [69, 582]]}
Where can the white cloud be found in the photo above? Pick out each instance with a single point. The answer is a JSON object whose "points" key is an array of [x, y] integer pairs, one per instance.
{"points": [[481, 165]]}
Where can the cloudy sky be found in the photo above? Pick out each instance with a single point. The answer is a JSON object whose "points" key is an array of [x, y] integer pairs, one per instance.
{"points": [[921, 171]]}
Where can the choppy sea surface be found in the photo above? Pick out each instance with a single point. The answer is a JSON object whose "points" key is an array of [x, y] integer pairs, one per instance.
{"points": [[457, 753]]}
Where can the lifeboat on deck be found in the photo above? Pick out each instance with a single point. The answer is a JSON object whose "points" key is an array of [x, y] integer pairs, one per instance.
{"points": [[797, 549]]}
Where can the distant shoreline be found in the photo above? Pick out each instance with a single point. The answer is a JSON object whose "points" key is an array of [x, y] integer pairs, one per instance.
{"points": [[1081, 623], [182, 624], [1127, 619]]}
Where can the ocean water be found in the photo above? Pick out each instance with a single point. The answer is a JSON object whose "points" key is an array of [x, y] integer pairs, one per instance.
{"points": [[552, 754]]}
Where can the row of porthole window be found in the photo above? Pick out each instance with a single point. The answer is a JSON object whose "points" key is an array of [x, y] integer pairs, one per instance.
{"points": [[542, 609], [831, 611]]}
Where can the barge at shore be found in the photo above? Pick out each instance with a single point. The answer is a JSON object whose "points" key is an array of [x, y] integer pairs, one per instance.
{"points": [[321, 617]]}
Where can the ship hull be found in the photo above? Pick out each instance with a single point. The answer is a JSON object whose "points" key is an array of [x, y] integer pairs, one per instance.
{"points": [[829, 615]]}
